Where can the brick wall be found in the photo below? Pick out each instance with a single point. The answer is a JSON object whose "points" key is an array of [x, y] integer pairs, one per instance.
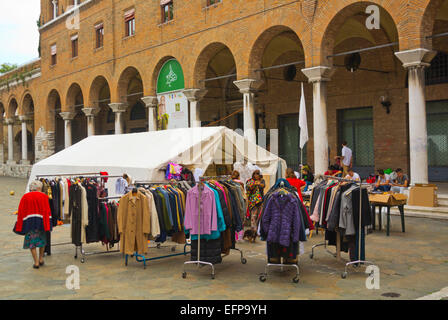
{"points": [[245, 28]]}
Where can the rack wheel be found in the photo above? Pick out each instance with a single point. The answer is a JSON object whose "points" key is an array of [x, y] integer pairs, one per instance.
{"points": [[83, 260], [158, 246], [184, 275], [311, 256], [213, 276], [296, 280], [262, 278], [344, 275], [173, 249], [243, 260], [76, 257]]}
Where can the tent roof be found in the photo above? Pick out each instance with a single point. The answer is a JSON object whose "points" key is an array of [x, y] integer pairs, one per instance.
{"points": [[141, 155]]}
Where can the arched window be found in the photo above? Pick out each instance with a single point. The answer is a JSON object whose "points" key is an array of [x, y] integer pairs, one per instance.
{"points": [[138, 111], [437, 73]]}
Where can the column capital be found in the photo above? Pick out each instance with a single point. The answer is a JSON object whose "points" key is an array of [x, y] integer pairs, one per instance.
{"points": [[416, 57], [150, 101], [9, 121], [90, 111], [248, 85], [318, 74], [195, 94], [25, 118], [118, 107], [68, 115]]}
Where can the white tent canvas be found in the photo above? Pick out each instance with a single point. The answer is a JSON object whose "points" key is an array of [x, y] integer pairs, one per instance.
{"points": [[143, 155]]}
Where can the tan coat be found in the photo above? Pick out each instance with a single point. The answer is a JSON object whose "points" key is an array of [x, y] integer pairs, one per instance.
{"points": [[134, 223]]}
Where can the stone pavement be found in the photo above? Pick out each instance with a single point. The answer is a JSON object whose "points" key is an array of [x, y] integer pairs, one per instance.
{"points": [[413, 265]]}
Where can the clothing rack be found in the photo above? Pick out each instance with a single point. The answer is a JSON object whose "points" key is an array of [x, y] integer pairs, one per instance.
{"points": [[81, 175], [263, 276], [142, 258], [84, 253], [76, 175], [199, 262], [338, 249]]}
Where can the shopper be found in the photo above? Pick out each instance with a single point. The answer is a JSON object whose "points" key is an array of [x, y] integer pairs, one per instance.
{"points": [[33, 220], [308, 177], [347, 158], [332, 171], [122, 184], [297, 183], [338, 163], [383, 182], [400, 183], [236, 178], [255, 193], [352, 175]]}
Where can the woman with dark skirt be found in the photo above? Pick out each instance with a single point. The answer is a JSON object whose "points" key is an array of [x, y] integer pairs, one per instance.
{"points": [[33, 220]]}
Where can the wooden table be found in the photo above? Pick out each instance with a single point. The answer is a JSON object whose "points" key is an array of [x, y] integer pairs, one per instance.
{"points": [[388, 206]]}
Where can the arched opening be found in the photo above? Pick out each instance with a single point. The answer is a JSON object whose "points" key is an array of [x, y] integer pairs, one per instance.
{"points": [[100, 99], [215, 70], [13, 113], [277, 57], [28, 113], [437, 97], [56, 126], [75, 103], [3, 134], [130, 90], [365, 89]]}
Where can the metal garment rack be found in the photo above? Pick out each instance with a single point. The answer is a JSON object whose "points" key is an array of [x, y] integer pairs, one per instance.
{"points": [[142, 258], [199, 262], [80, 175], [263, 277], [338, 249], [84, 253]]}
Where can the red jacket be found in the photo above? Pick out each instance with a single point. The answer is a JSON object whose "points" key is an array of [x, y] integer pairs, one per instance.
{"points": [[34, 213]]}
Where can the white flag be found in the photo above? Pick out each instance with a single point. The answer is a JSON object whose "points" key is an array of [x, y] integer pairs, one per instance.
{"points": [[303, 124]]}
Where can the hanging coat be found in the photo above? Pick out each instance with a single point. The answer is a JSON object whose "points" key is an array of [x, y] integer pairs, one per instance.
{"points": [[134, 223]]}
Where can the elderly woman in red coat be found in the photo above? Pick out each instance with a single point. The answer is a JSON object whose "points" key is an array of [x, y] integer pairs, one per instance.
{"points": [[33, 220]]}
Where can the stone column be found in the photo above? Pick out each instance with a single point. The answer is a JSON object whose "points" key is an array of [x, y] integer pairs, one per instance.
{"points": [[319, 76], [10, 123], [248, 88], [90, 114], [119, 109], [24, 120], [415, 61], [194, 96], [68, 117], [151, 103]]}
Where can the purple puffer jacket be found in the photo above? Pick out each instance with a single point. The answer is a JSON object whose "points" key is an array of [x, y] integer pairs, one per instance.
{"points": [[281, 220]]}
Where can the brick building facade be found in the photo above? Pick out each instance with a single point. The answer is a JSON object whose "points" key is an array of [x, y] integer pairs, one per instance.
{"points": [[243, 63]]}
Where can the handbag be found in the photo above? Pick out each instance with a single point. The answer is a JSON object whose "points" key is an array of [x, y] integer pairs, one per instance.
{"points": [[20, 233]]}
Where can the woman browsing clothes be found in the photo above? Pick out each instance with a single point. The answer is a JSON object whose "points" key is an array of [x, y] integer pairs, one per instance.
{"points": [[255, 193], [33, 220]]}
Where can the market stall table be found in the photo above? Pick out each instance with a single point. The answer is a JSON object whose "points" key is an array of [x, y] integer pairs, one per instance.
{"points": [[387, 200]]}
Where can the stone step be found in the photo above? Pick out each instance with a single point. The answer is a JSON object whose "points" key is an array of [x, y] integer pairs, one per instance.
{"points": [[419, 214], [423, 212], [442, 200]]}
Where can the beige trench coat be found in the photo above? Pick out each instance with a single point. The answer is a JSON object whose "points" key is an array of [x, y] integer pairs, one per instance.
{"points": [[134, 223]]}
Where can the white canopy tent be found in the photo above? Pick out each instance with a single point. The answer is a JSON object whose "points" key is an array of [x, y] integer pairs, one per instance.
{"points": [[143, 155]]}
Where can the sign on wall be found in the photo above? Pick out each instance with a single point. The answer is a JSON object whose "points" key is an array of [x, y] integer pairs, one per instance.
{"points": [[173, 105]]}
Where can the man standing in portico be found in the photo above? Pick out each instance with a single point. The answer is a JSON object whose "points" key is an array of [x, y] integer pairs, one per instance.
{"points": [[347, 159]]}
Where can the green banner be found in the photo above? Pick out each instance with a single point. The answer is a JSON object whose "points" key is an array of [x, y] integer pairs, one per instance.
{"points": [[171, 77]]}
